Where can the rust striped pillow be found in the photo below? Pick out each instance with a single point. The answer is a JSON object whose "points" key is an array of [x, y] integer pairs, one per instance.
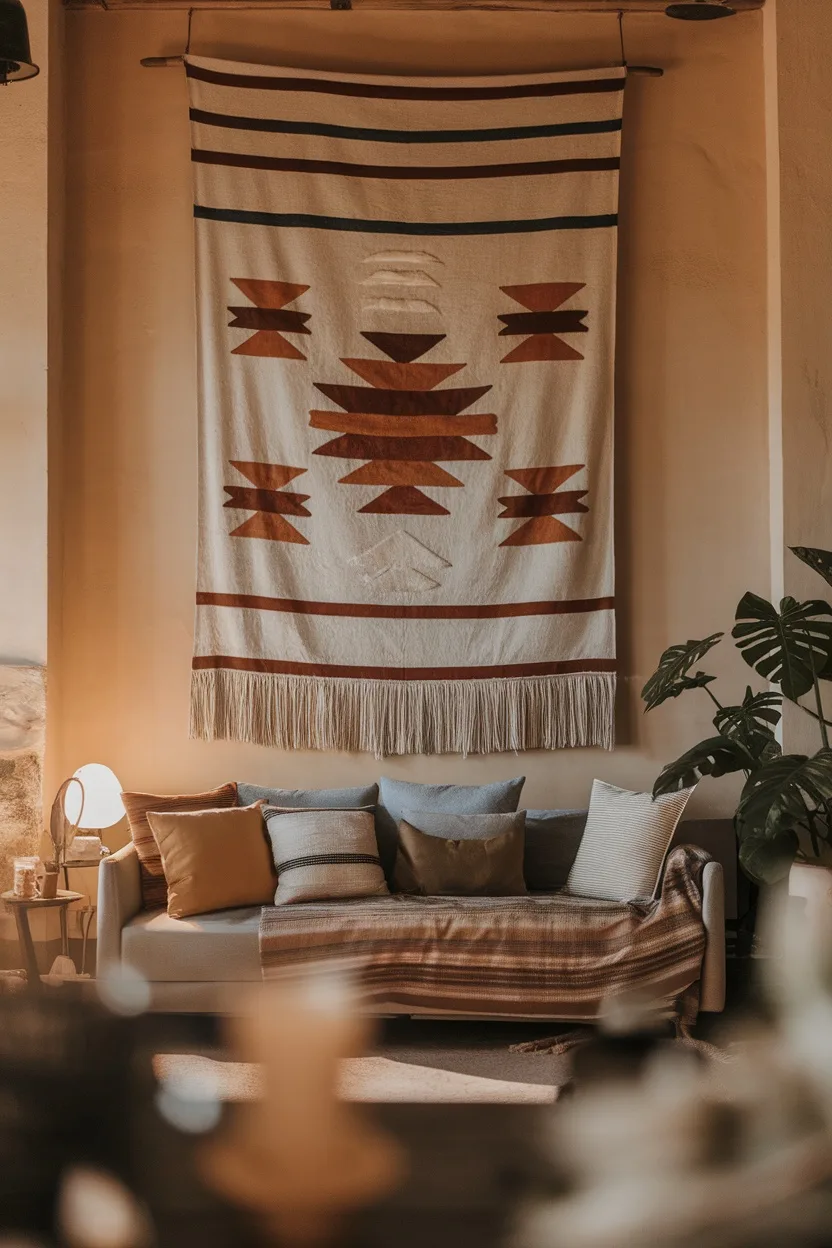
{"points": [[154, 885]]}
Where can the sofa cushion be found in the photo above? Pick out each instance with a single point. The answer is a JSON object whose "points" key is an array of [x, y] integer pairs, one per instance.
{"points": [[214, 859], [208, 947], [154, 887], [552, 840], [624, 843], [395, 796], [309, 799], [472, 866], [322, 854]]}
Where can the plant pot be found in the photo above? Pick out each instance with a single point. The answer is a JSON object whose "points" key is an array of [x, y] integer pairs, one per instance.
{"points": [[812, 882]]}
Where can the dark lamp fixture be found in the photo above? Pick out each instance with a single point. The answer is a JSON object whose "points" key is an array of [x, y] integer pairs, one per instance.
{"points": [[15, 57], [700, 10]]}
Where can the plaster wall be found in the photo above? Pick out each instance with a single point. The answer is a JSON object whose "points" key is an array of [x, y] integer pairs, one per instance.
{"points": [[24, 117], [804, 46]]}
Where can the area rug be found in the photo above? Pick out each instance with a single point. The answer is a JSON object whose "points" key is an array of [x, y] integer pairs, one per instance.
{"points": [[405, 295], [377, 1079]]}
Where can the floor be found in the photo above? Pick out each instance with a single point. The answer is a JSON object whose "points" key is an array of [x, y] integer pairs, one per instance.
{"points": [[476, 1048]]}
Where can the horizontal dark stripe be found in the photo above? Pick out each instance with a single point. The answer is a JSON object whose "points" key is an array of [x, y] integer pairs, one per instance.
{"points": [[307, 221], [326, 860], [493, 134], [385, 91], [518, 324], [387, 611], [448, 402], [281, 667], [283, 164], [275, 318]]}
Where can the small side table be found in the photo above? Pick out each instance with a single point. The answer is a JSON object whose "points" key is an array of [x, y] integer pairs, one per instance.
{"points": [[86, 913], [22, 906]]}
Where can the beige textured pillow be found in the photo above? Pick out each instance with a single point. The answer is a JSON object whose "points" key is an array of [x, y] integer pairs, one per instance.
{"points": [[324, 854], [214, 859], [154, 888], [435, 866], [624, 844]]}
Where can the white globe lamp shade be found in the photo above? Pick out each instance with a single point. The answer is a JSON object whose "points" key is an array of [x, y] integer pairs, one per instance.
{"points": [[102, 804]]}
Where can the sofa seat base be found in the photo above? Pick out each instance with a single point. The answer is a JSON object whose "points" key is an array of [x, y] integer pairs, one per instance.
{"points": [[207, 948]]}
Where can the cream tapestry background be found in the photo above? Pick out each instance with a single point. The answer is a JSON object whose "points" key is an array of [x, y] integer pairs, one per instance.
{"points": [[406, 301]]}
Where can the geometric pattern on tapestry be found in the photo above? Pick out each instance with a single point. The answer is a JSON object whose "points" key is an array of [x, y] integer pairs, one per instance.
{"points": [[405, 313], [542, 325], [543, 502], [269, 318], [400, 564], [402, 425], [269, 502]]}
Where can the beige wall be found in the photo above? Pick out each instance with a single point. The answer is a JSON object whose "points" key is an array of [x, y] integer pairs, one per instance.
{"points": [[24, 108], [692, 471], [804, 46]]}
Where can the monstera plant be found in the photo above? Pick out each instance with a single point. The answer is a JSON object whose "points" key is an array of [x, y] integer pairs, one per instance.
{"points": [[785, 809]]}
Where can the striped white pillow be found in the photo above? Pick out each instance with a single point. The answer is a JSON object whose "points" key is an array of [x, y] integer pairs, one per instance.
{"points": [[324, 854], [623, 847]]}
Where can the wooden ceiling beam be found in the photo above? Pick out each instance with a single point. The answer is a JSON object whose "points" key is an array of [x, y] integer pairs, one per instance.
{"points": [[540, 6]]}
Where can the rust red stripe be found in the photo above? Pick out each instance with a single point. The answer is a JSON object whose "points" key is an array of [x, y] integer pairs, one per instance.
{"points": [[394, 611], [383, 91], [281, 667], [347, 169]]}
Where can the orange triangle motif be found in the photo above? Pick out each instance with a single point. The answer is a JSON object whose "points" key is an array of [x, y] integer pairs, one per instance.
{"points": [[541, 347], [269, 343], [543, 296], [386, 374], [271, 526], [269, 294], [266, 476], [543, 480], [540, 531], [399, 472]]}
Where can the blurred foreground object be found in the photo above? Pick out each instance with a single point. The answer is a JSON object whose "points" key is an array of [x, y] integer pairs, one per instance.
{"points": [[65, 1081], [299, 1157], [679, 1152]]}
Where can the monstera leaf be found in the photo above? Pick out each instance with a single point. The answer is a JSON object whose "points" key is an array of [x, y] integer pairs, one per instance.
{"points": [[718, 756], [786, 795], [672, 676], [819, 560], [785, 646], [767, 859], [753, 724]]}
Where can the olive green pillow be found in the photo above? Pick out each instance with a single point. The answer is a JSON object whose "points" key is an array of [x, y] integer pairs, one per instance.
{"points": [[432, 866]]}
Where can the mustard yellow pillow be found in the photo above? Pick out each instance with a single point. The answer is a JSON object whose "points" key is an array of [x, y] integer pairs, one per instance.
{"points": [[214, 859]]}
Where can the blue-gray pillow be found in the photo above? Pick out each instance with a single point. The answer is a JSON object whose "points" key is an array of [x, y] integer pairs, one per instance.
{"points": [[552, 841], [456, 827], [312, 799], [396, 796]]}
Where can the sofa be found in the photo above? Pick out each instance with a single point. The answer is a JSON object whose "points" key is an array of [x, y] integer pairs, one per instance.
{"points": [[199, 964]]}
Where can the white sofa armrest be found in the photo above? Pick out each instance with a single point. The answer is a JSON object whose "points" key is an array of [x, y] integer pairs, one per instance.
{"points": [[119, 900], [712, 984]]}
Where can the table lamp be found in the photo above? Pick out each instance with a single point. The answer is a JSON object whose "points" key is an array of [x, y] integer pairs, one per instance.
{"points": [[90, 800]]}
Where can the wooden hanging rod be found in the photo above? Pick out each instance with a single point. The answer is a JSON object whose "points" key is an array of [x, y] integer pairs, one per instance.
{"points": [[610, 7]]}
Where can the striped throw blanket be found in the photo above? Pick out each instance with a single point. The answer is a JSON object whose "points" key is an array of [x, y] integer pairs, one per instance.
{"points": [[405, 296], [548, 955]]}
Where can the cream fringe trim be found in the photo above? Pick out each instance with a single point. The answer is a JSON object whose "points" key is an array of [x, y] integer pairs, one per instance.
{"points": [[383, 717]]}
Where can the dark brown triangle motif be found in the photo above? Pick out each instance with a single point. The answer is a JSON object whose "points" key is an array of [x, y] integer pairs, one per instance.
{"points": [[403, 348]]}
